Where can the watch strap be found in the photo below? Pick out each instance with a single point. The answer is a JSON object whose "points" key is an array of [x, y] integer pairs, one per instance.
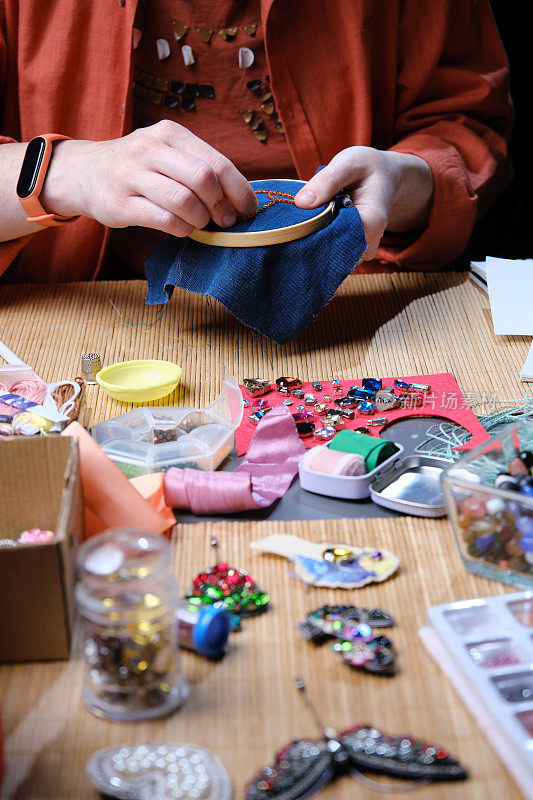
{"points": [[31, 204]]}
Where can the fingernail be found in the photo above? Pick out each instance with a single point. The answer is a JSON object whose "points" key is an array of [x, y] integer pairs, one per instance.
{"points": [[307, 196], [251, 207], [229, 219]]}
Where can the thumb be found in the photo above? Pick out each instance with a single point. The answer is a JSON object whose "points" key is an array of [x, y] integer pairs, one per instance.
{"points": [[339, 173]]}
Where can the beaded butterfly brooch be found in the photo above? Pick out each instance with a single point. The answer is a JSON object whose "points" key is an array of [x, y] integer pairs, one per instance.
{"points": [[357, 644], [305, 766]]}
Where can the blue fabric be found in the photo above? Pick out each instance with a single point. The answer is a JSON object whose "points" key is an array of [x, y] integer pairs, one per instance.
{"points": [[275, 290]]}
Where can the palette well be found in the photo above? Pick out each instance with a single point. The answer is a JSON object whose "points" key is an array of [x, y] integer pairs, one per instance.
{"points": [[485, 646]]}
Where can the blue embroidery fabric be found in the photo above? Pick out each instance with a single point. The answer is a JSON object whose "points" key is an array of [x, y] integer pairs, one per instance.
{"points": [[276, 290]]}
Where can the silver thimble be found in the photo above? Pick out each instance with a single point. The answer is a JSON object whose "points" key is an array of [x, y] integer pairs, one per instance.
{"points": [[90, 365]]}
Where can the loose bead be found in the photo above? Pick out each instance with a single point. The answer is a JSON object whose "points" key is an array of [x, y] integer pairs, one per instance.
{"points": [[517, 467], [474, 506]]}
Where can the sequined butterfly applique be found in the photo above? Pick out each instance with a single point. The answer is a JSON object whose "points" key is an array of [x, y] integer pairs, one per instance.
{"points": [[304, 767], [357, 644], [229, 588]]}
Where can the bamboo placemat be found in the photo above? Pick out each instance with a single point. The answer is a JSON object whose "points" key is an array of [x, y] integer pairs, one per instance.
{"points": [[245, 707], [387, 324]]}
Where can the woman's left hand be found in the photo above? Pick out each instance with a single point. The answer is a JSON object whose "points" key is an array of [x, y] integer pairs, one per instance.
{"points": [[392, 191]]}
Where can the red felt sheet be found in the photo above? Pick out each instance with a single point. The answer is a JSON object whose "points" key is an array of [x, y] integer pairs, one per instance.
{"points": [[444, 400]]}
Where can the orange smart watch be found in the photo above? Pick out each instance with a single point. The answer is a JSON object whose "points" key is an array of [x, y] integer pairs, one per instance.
{"points": [[32, 177]]}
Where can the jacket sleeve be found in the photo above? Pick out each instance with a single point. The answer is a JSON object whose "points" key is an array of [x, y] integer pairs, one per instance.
{"points": [[8, 250], [454, 111]]}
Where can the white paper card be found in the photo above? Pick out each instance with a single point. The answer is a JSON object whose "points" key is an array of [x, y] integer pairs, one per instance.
{"points": [[527, 369], [511, 295]]}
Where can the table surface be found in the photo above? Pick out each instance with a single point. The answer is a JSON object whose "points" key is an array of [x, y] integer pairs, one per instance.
{"points": [[245, 706]]}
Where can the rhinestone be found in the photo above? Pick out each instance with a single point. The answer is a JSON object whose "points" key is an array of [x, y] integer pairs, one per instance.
{"points": [[327, 398], [161, 763], [298, 393], [321, 409], [364, 407], [373, 384], [310, 399], [294, 383], [348, 413], [317, 386], [305, 429], [287, 402], [325, 434], [345, 402]]}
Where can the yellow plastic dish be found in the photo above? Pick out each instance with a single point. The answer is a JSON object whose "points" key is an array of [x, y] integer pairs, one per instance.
{"points": [[139, 381]]}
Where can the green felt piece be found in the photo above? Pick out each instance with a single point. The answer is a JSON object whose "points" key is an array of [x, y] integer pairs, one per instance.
{"points": [[373, 450]]}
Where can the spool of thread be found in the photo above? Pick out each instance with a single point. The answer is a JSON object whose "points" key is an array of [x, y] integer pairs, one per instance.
{"points": [[28, 424], [30, 388], [333, 462], [202, 628], [6, 429], [373, 450]]}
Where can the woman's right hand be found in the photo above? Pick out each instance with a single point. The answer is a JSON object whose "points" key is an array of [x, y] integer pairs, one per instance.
{"points": [[161, 177]]}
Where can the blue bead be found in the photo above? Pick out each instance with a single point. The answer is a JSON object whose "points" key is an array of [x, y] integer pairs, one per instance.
{"points": [[484, 542], [401, 384], [374, 384], [527, 489], [525, 526]]}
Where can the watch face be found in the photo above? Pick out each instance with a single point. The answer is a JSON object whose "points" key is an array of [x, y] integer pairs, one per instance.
{"points": [[31, 166]]}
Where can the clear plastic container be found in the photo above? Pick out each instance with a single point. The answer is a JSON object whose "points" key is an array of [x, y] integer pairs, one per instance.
{"points": [[487, 520], [154, 438], [128, 597]]}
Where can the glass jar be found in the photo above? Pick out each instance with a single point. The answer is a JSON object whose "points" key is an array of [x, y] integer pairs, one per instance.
{"points": [[127, 597], [490, 506]]}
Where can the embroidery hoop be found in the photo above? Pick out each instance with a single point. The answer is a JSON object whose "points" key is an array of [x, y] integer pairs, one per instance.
{"points": [[289, 233]]}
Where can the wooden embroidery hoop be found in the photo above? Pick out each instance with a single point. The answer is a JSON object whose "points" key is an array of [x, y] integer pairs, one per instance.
{"points": [[262, 238]]}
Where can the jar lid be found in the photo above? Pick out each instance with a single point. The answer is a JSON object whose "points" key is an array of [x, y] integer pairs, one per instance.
{"points": [[122, 555]]}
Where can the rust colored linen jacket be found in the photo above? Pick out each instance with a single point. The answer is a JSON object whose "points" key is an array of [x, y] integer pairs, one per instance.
{"points": [[428, 78]]}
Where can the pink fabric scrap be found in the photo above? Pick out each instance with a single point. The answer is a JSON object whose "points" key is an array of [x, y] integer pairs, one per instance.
{"points": [[263, 477]]}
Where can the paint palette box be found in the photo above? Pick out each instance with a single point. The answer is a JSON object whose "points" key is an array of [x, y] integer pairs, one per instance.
{"points": [[485, 647], [40, 487]]}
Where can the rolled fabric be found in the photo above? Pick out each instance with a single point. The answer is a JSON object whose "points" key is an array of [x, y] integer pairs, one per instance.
{"points": [[373, 450], [208, 492], [263, 477], [334, 462]]}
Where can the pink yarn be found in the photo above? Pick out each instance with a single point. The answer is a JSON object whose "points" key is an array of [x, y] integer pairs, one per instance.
{"points": [[264, 476], [29, 388]]}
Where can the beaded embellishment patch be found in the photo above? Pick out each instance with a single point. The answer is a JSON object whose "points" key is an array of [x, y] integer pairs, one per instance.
{"points": [[159, 772]]}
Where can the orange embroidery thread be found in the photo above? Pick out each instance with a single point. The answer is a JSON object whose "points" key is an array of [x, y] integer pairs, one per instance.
{"points": [[275, 197]]}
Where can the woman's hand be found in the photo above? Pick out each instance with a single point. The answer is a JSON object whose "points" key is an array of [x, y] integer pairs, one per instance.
{"points": [[392, 191], [161, 177]]}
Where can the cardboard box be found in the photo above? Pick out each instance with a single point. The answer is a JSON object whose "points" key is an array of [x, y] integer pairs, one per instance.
{"points": [[39, 487]]}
